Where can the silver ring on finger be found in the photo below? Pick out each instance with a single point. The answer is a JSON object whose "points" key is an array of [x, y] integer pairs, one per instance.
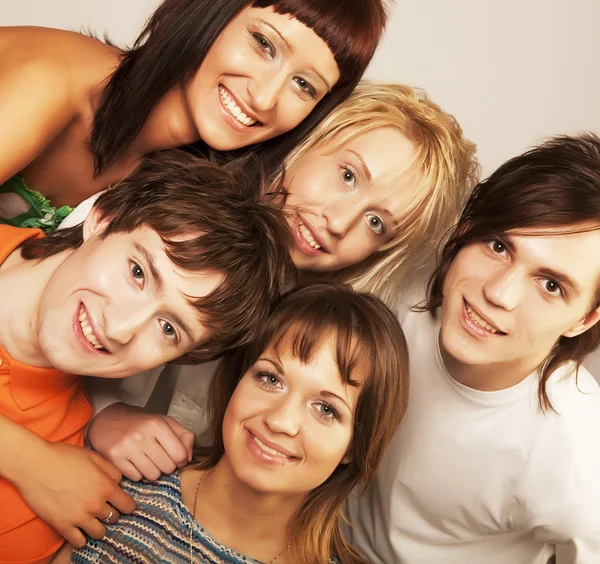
{"points": [[107, 519]]}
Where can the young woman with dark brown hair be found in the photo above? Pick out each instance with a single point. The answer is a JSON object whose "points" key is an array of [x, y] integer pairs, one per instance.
{"points": [[78, 114]]}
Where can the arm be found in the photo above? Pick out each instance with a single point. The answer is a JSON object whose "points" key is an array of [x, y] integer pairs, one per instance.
{"points": [[69, 487], [34, 108]]}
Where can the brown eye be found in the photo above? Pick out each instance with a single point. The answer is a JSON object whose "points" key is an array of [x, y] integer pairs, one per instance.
{"points": [[136, 271], [498, 247]]}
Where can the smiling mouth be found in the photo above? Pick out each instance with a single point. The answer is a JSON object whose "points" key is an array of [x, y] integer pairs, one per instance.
{"points": [[270, 450], [480, 322], [87, 330], [234, 110]]}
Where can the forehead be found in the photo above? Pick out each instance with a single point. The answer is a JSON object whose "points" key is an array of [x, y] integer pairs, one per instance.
{"points": [[390, 158], [170, 280], [301, 42], [576, 255]]}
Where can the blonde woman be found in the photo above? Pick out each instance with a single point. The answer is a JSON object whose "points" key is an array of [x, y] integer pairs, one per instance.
{"points": [[370, 194]]}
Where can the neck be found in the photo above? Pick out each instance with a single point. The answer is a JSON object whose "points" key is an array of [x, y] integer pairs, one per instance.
{"points": [[252, 522], [169, 125], [491, 377], [22, 285]]}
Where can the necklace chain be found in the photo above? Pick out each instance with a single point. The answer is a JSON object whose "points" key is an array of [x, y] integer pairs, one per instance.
{"points": [[200, 480]]}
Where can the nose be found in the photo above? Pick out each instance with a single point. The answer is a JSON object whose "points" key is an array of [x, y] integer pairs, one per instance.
{"points": [[504, 288], [124, 320], [284, 417], [265, 91], [340, 215]]}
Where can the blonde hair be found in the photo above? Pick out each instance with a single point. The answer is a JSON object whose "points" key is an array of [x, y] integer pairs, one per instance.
{"points": [[445, 165]]}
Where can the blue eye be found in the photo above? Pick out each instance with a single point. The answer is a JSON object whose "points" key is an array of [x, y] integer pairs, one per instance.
{"points": [[326, 411]]}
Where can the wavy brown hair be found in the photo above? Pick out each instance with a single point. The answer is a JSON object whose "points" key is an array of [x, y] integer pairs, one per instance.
{"points": [[370, 342], [555, 185], [228, 231], [177, 38]]}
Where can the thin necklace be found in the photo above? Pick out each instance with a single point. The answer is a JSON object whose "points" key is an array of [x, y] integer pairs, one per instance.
{"points": [[192, 525]]}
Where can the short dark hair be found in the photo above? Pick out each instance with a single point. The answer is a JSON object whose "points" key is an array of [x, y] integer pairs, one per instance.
{"points": [[369, 339], [179, 35], [248, 242], [556, 185]]}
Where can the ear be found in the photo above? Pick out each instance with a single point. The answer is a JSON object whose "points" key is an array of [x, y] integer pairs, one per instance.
{"points": [[93, 225], [347, 458], [584, 324]]}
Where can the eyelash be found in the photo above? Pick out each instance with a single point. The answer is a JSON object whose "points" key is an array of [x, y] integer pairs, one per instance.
{"points": [[561, 292], [174, 338], [262, 376], [265, 46], [132, 266]]}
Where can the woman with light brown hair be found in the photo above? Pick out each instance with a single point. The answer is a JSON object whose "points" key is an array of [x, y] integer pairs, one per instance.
{"points": [[299, 417]]}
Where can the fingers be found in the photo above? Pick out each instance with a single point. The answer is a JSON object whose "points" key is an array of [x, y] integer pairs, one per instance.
{"points": [[181, 450], [121, 501], [145, 465], [130, 471], [73, 536], [107, 514], [108, 467]]}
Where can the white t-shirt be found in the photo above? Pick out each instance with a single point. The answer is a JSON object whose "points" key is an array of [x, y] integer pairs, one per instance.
{"points": [[484, 477]]}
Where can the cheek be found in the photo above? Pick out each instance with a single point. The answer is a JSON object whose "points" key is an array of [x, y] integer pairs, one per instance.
{"points": [[328, 448]]}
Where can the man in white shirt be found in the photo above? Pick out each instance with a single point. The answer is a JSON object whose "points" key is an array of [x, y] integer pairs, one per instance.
{"points": [[498, 458]]}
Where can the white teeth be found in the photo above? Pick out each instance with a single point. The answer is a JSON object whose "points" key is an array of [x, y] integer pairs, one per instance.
{"points": [[269, 449], [87, 329], [479, 321], [308, 236], [234, 109]]}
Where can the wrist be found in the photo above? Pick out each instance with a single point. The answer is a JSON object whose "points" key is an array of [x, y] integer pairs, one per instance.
{"points": [[19, 449]]}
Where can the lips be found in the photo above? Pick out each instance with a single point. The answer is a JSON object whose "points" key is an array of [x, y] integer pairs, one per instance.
{"points": [[480, 321], [307, 239], [269, 451], [87, 330], [233, 108]]}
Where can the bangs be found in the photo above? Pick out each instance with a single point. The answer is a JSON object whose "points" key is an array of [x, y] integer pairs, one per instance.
{"points": [[304, 340], [350, 28]]}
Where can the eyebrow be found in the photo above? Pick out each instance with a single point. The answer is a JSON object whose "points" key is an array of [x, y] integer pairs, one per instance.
{"points": [[159, 282], [364, 166], [561, 278], [327, 393], [292, 50]]}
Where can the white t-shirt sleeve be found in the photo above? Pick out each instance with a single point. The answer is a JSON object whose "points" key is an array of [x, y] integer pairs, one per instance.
{"points": [[568, 492]]}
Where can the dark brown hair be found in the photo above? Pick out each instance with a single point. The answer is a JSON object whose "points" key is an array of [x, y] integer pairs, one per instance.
{"points": [[230, 231], [369, 342], [555, 185], [178, 37]]}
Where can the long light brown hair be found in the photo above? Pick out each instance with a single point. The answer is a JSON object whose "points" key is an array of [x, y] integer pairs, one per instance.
{"points": [[369, 341]]}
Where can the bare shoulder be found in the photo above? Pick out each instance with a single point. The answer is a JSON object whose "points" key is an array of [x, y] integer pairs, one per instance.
{"points": [[63, 61]]}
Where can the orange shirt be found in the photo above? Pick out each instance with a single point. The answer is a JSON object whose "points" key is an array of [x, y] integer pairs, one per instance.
{"points": [[48, 402]]}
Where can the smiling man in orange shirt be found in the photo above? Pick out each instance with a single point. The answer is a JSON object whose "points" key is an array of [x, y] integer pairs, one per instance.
{"points": [[131, 288]]}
